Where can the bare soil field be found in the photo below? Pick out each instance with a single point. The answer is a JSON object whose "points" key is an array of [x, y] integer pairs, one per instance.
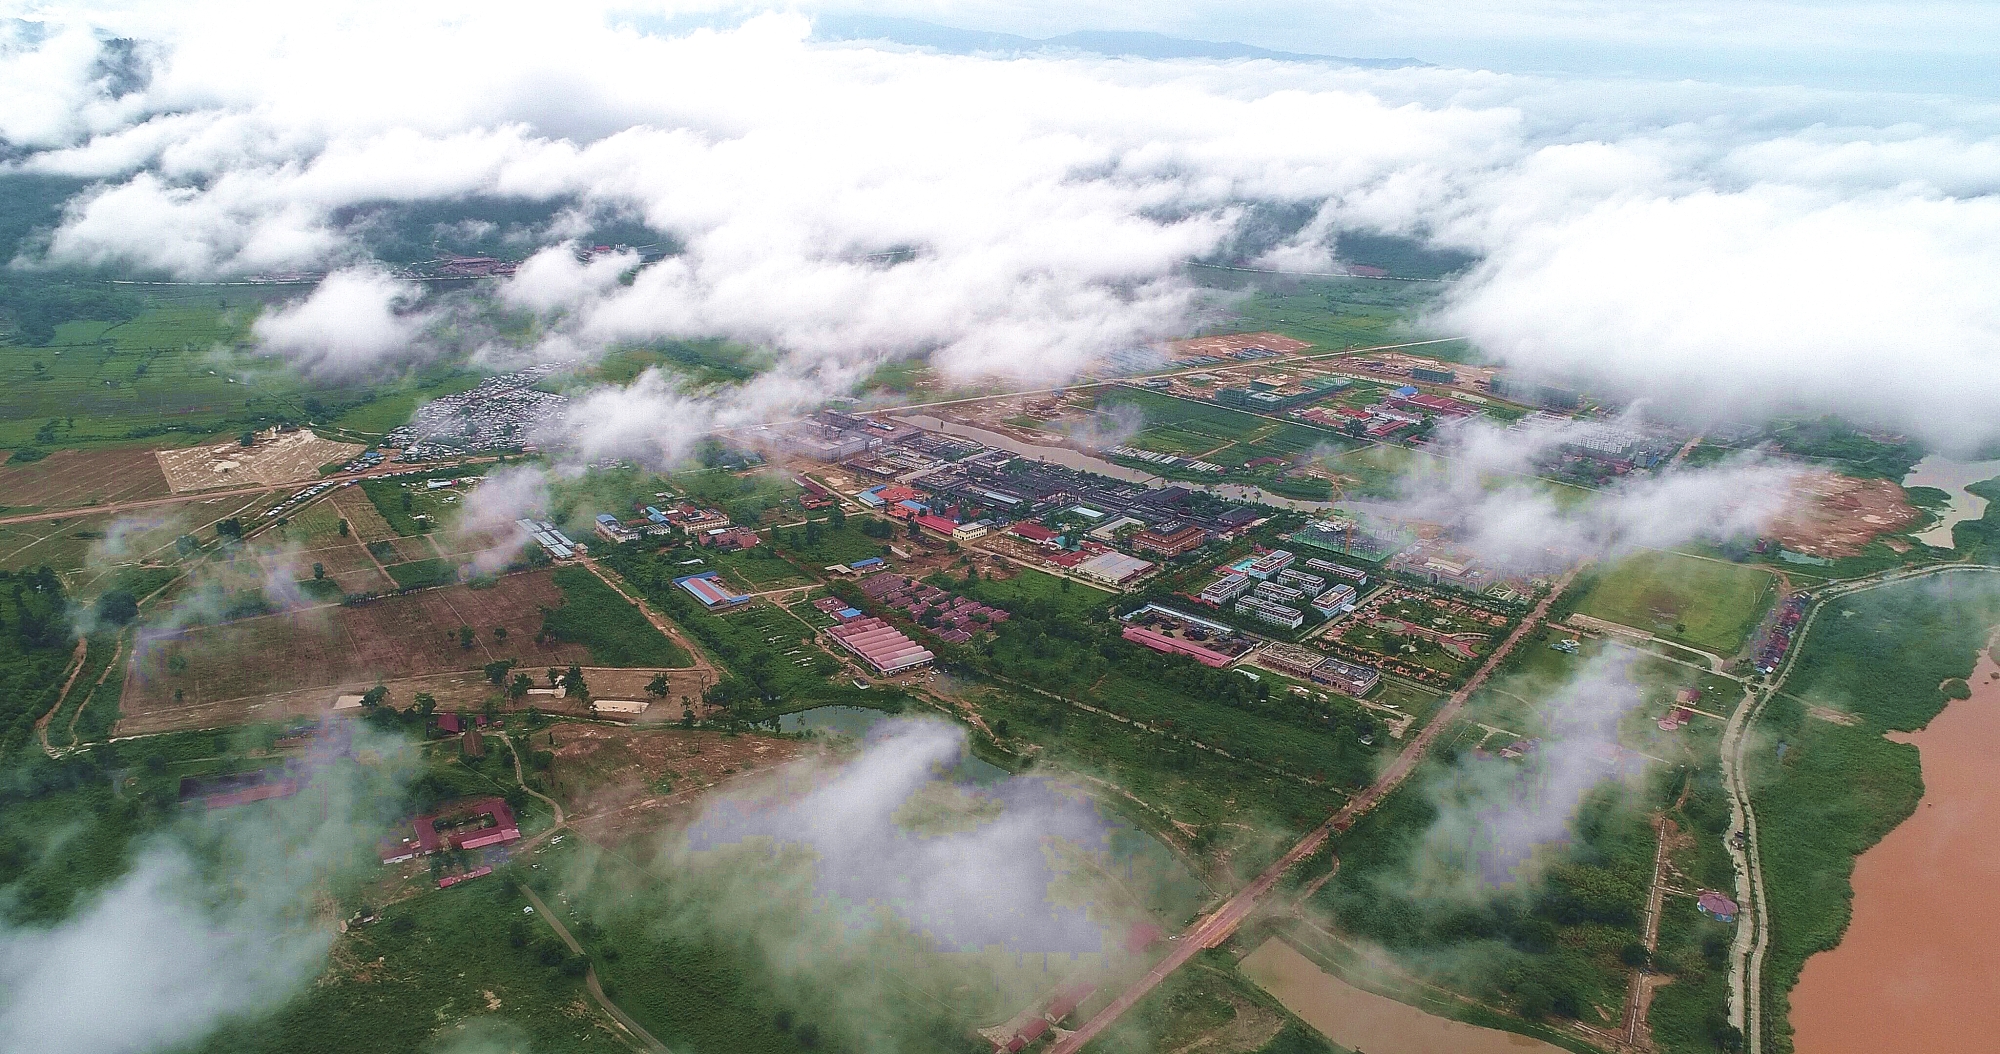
{"points": [[285, 457], [389, 639], [346, 562], [1228, 342], [82, 477], [629, 781], [1828, 514], [352, 505]]}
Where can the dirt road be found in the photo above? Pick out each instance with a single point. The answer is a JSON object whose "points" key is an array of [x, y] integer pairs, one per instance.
{"points": [[664, 625], [225, 492], [642, 1039], [1215, 928]]}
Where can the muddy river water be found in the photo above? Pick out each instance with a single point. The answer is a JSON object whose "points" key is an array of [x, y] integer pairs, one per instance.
{"points": [[1361, 1020], [1919, 967]]}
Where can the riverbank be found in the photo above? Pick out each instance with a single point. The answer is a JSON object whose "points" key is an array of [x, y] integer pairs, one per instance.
{"points": [[1918, 966]]}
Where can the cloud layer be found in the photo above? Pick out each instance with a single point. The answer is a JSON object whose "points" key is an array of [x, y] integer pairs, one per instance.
{"points": [[1735, 252]]}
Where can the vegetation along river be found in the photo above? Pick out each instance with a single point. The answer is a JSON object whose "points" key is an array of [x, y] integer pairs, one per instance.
{"points": [[1919, 966]]}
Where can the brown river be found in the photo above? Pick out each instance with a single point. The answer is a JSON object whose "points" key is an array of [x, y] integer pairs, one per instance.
{"points": [[1363, 1021], [1919, 967]]}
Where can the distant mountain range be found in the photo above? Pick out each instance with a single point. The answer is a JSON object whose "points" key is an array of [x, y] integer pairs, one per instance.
{"points": [[1100, 42]]}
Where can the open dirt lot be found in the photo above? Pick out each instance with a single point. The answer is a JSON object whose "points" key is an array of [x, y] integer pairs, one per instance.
{"points": [[1828, 514], [398, 637], [274, 458], [82, 477], [629, 781], [1223, 345]]}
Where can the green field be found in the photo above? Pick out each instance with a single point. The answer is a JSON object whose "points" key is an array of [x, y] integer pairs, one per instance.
{"points": [[420, 573], [594, 615], [1707, 604], [1181, 426], [181, 369], [1333, 314]]}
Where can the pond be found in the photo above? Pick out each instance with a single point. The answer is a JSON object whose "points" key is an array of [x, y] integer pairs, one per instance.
{"points": [[1951, 477]]}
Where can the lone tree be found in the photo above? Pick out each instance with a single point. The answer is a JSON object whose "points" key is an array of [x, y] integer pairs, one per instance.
{"points": [[497, 670], [519, 688], [465, 638], [375, 696], [319, 572], [573, 686], [658, 686], [343, 528]]}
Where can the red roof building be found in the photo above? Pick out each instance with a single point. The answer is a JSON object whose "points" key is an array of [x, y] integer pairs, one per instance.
{"points": [[1160, 642], [1036, 533], [937, 525]]}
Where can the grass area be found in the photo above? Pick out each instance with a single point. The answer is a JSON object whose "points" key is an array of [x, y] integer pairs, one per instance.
{"points": [[450, 971], [764, 648], [35, 646], [700, 361], [1836, 790], [1181, 426], [1704, 603], [1212, 796], [1192, 1009], [181, 366], [617, 634], [756, 569], [420, 573], [829, 545], [1036, 589], [1333, 314]]}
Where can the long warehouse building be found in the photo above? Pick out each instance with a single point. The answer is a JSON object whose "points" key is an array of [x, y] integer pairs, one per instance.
{"points": [[880, 645]]}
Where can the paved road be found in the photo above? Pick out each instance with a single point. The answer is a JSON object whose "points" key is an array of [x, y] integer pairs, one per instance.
{"points": [[1215, 928]]}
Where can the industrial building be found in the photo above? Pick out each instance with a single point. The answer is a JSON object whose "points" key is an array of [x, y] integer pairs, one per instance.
{"points": [[552, 541], [707, 587], [1114, 569], [1433, 375], [880, 645]]}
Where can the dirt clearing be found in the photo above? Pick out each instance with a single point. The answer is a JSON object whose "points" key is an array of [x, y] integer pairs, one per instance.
{"points": [[388, 639], [1828, 514], [274, 458], [82, 477], [628, 781]]}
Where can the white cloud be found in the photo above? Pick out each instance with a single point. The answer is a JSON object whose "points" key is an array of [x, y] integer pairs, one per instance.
{"points": [[1740, 251], [355, 321]]}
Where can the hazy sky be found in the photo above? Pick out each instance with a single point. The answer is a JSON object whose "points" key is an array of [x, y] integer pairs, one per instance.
{"points": [[1945, 45]]}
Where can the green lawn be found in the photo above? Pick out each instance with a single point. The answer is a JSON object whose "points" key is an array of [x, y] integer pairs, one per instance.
{"points": [[1708, 604]]}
